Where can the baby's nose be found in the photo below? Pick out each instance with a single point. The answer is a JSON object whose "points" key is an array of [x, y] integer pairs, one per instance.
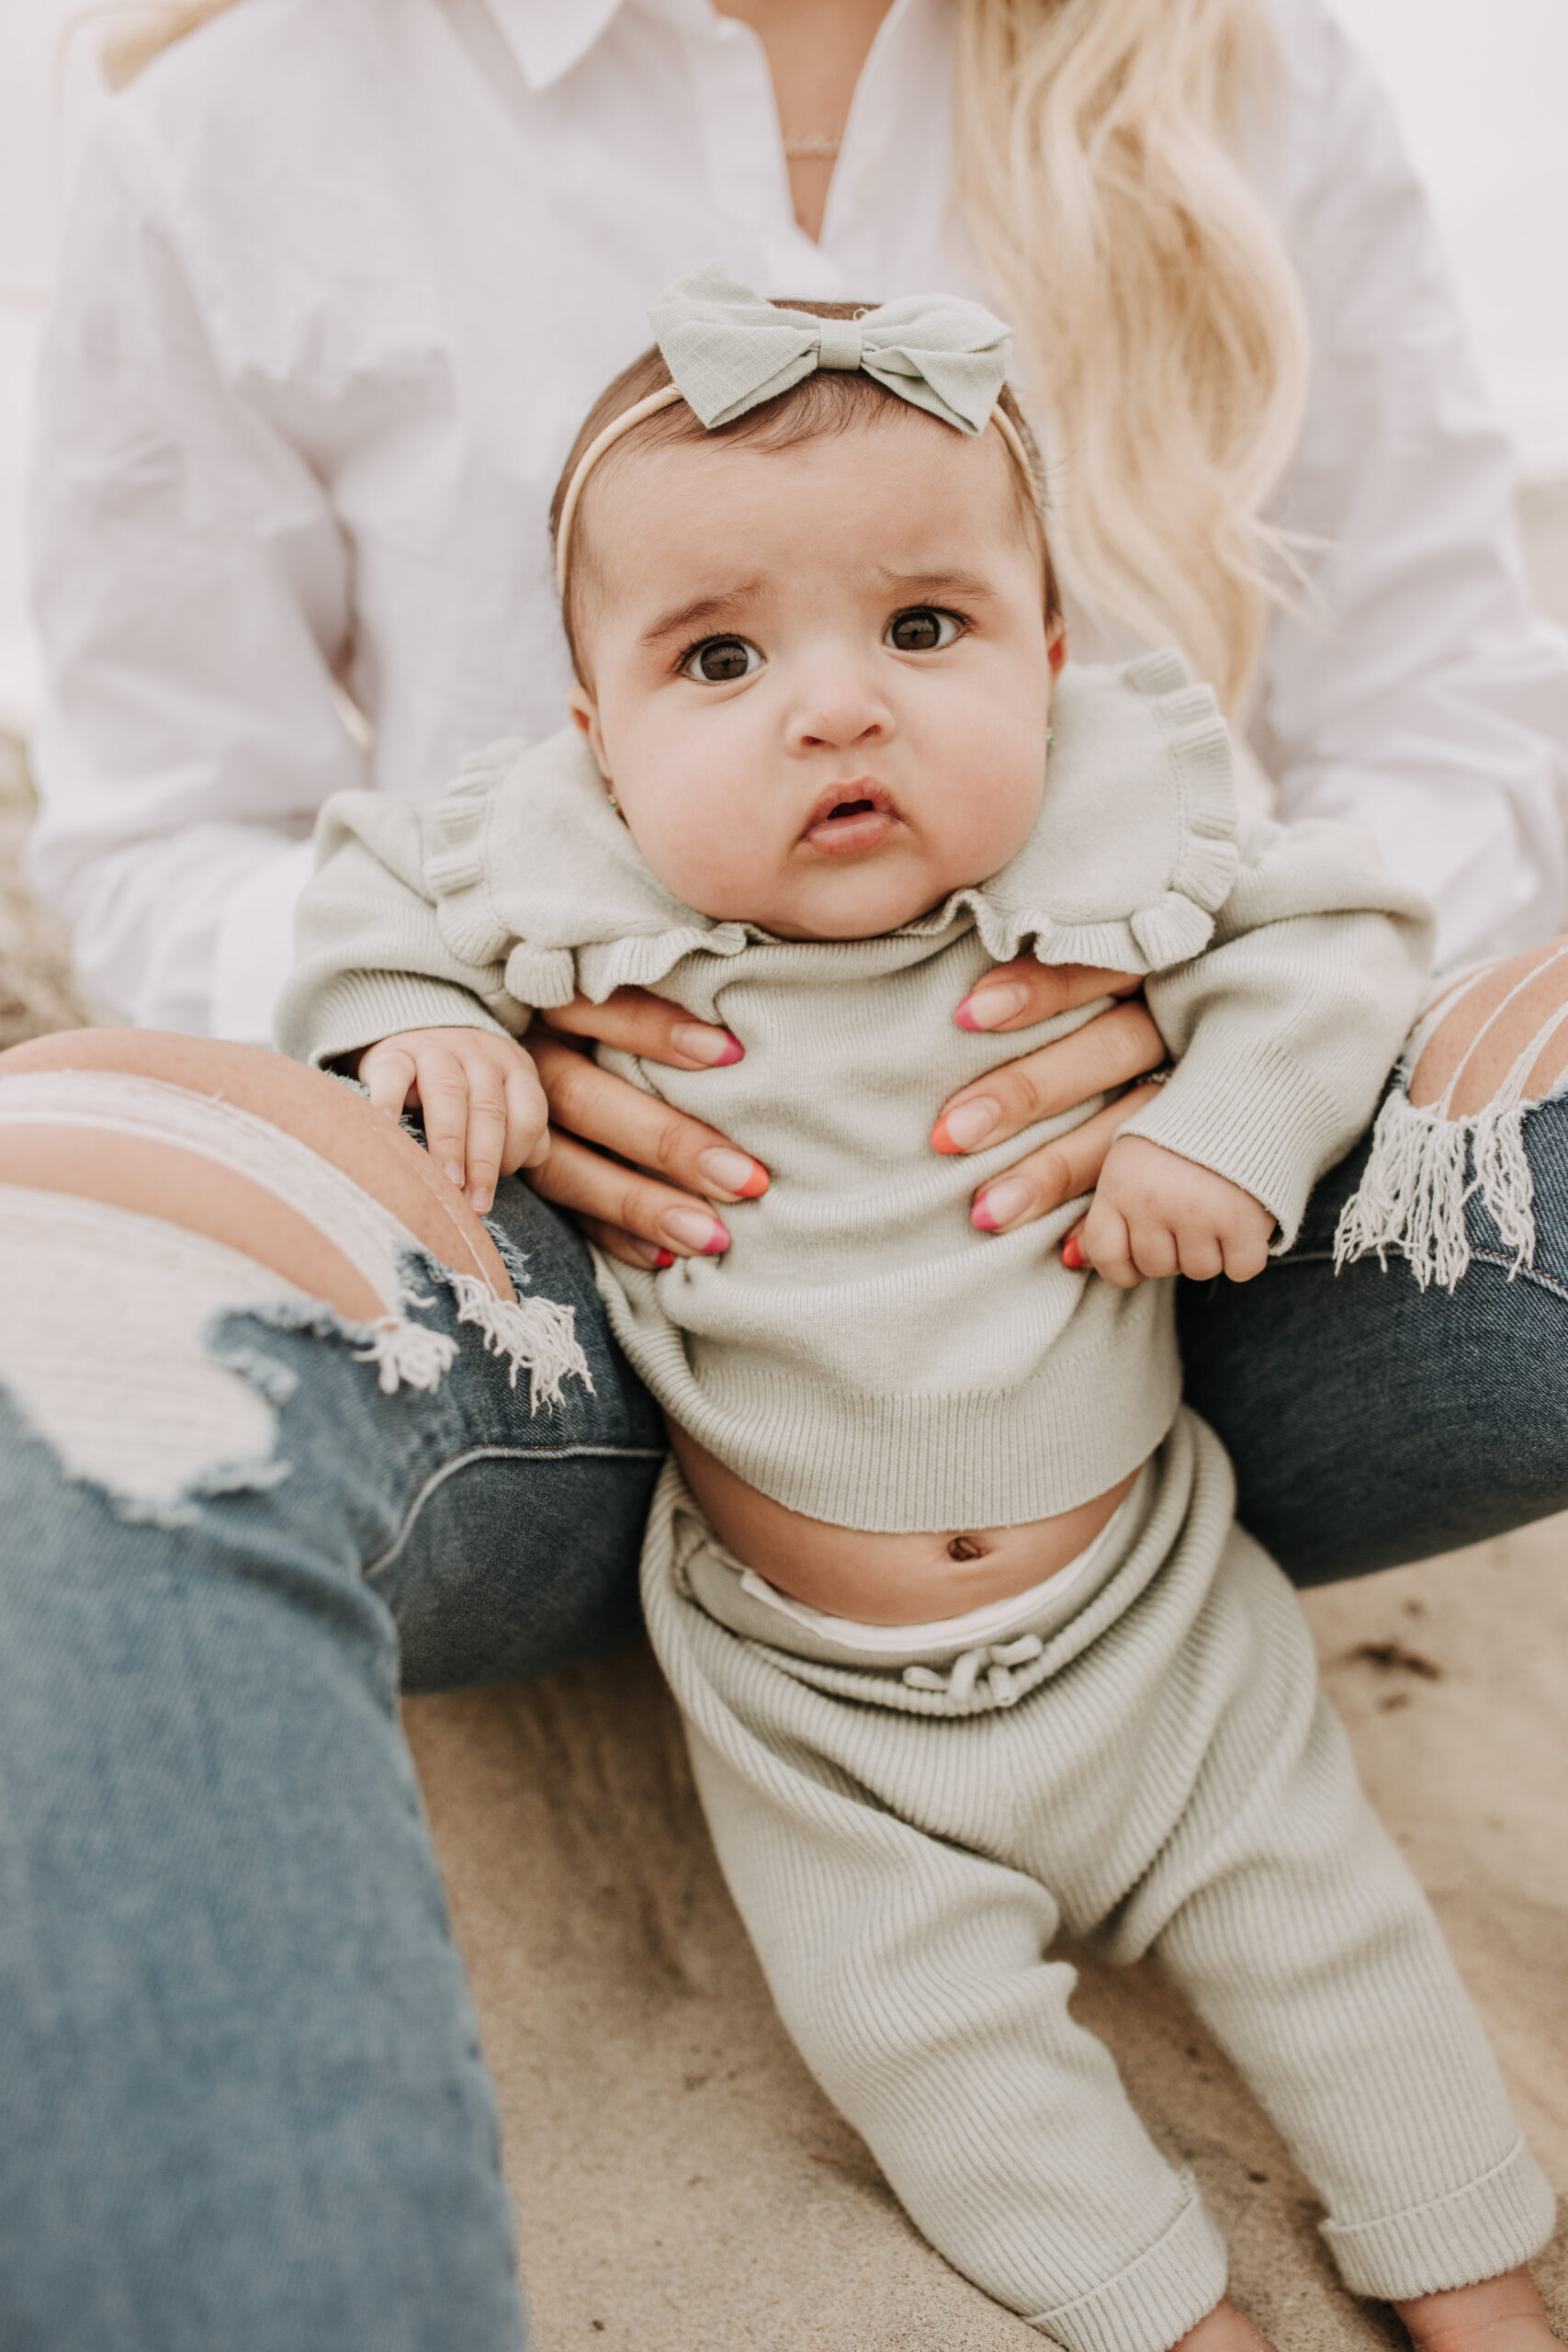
{"points": [[833, 730], [842, 711]]}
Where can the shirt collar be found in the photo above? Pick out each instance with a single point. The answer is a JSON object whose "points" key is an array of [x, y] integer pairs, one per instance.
{"points": [[549, 37]]}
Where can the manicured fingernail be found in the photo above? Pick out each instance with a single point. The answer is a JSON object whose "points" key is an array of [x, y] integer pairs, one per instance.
{"points": [[1072, 1252], [999, 1204], [715, 1048], [988, 1008], [734, 1171], [690, 1229], [664, 1258], [962, 1129], [479, 1200], [454, 1173]]}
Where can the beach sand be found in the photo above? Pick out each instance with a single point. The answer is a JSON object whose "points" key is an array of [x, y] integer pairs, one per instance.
{"points": [[680, 2183]]}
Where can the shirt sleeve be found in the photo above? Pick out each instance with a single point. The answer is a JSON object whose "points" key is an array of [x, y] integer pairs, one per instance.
{"points": [[1285, 1028], [1414, 691], [372, 957], [192, 593]]}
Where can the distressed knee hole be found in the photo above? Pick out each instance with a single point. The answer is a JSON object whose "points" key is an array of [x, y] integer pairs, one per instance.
{"points": [[1494, 1046], [1493, 1023], [104, 1347]]}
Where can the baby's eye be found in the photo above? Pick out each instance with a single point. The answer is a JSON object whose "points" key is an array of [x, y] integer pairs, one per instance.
{"points": [[719, 659], [922, 629]]}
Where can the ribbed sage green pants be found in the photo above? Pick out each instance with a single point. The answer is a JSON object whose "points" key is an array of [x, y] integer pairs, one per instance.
{"points": [[1157, 1774]]}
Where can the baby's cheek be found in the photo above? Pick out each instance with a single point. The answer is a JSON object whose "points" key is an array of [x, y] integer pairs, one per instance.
{"points": [[704, 844], [997, 811], [988, 744]]}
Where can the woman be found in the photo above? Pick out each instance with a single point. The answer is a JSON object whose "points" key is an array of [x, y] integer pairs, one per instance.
{"points": [[341, 279]]}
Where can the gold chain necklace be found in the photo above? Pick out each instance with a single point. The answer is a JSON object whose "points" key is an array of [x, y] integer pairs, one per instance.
{"points": [[812, 146]]}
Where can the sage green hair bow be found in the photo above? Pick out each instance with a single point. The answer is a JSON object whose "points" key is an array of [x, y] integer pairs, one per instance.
{"points": [[727, 349]]}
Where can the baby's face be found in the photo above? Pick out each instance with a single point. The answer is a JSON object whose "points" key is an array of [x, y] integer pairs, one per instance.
{"points": [[822, 676]]}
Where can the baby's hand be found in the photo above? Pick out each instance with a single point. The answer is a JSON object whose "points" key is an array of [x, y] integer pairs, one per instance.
{"points": [[485, 1113], [1154, 1213]]}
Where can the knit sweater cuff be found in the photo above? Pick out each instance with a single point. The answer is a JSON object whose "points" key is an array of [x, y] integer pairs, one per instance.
{"points": [[360, 1008], [1151, 2304], [1477, 2232]]}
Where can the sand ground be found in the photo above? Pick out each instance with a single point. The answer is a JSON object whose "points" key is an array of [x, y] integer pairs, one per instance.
{"points": [[682, 2185]]}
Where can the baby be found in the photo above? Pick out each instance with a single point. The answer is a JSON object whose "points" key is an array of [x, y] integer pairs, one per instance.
{"points": [[971, 1651]]}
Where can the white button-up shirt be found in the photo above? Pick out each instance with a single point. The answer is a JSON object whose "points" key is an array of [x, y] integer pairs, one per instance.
{"points": [[343, 277]]}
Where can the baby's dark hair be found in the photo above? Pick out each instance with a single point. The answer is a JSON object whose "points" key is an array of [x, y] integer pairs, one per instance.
{"points": [[829, 401]]}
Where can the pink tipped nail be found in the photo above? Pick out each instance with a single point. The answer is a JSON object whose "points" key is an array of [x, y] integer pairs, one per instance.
{"points": [[988, 1008], [701, 1042], [717, 1243], [980, 1217]]}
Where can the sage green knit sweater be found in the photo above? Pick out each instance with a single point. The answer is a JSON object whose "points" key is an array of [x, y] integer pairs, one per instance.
{"points": [[861, 1353]]}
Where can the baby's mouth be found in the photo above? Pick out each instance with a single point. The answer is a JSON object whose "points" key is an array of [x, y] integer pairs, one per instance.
{"points": [[851, 817]]}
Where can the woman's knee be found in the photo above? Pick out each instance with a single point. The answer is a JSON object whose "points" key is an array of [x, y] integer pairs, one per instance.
{"points": [[1495, 1017]]}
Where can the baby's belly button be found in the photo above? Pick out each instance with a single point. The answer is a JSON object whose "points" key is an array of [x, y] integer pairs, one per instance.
{"points": [[881, 1579]]}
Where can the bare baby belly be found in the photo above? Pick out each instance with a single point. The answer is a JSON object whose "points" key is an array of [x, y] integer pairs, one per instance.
{"points": [[886, 1579]]}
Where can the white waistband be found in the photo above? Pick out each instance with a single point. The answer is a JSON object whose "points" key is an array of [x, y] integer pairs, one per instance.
{"points": [[977, 1625]]}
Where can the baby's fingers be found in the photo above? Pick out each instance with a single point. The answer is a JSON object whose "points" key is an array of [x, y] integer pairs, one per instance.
{"points": [[485, 1152], [1156, 1250], [389, 1075], [1201, 1255], [450, 1123], [1245, 1250], [1105, 1246], [527, 1119]]}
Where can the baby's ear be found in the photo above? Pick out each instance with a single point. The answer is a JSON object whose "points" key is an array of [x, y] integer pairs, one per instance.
{"points": [[585, 711]]}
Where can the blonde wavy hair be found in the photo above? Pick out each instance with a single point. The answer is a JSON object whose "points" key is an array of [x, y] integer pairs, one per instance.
{"points": [[1163, 337]]}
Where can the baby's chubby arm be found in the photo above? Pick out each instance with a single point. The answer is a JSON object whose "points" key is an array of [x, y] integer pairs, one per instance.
{"points": [[485, 1114], [1156, 1213]]}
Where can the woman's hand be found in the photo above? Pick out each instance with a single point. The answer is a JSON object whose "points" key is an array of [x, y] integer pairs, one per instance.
{"points": [[640, 1176], [1118, 1045], [649, 1202]]}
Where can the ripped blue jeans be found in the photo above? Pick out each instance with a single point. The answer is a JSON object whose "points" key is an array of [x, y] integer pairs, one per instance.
{"points": [[244, 2105]]}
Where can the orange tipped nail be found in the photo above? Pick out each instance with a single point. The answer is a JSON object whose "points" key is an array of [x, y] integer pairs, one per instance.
{"points": [[1072, 1252], [941, 1140]]}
